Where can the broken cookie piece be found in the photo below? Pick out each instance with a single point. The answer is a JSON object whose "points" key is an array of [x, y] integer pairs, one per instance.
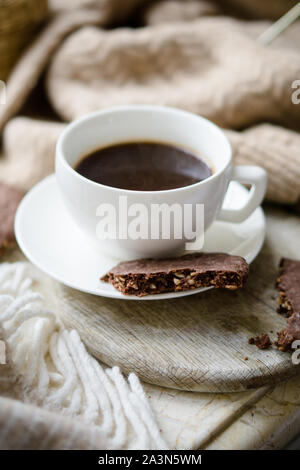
{"points": [[288, 285], [154, 276], [262, 341], [9, 200]]}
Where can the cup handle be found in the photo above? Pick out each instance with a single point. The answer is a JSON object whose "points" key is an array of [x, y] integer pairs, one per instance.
{"points": [[257, 177]]}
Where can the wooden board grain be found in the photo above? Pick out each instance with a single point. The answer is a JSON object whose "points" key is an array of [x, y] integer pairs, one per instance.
{"points": [[198, 342]]}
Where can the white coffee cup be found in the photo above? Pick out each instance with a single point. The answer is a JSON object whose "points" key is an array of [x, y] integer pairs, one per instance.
{"points": [[160, 124]]}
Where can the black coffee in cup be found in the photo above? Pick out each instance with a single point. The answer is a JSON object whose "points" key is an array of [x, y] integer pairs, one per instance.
{"points": [[143, 166]]}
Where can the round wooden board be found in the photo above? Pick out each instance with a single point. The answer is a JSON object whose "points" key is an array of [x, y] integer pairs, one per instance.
{"points": [[198, 342]]}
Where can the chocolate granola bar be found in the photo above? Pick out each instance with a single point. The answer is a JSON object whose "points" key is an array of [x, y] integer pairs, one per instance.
{"points": [[154, 276], [288, 285], [9, 201]]}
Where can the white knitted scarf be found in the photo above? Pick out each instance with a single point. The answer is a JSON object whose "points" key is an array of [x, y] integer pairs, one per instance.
{"points": [[57, 372]]}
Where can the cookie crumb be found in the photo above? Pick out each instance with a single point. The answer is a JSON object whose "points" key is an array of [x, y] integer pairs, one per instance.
{"points": [[262, 341]]}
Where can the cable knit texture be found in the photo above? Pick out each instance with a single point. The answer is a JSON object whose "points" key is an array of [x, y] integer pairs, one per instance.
{"points": [[195, 66], [210, 65], [49, 366]]}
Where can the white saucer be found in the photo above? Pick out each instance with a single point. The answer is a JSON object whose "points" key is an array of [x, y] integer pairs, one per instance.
{"points": [[49, 238]]}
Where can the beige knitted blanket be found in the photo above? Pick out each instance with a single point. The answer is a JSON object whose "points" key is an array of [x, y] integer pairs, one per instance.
{"points": [[190, 54], [199, 55]]}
